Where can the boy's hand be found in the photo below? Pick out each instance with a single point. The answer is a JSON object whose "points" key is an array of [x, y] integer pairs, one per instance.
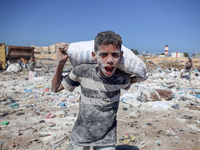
{"points": [[133, 80], [62, 55]]}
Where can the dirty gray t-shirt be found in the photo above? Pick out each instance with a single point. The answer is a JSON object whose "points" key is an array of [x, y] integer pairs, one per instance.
{"points": [[31, 65], [98, 105]]}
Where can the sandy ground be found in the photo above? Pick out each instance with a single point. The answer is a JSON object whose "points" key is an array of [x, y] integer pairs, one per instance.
{"points": [[182, 61], [156, 60], [38, 121]]}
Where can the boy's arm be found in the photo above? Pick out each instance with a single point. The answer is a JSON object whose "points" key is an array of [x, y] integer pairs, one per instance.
{"points": [[133, 80], [56, 85], [62, 57]]}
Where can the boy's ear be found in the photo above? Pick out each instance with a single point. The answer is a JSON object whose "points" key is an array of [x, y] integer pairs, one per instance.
{"points": [[94, 56], [121, 55]]}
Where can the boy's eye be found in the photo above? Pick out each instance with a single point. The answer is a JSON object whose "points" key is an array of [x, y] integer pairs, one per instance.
{"points": [[103, 55], [115, 55]]}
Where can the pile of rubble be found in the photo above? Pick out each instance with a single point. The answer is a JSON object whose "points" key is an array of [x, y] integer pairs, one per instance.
{"points": [[159, 113]]}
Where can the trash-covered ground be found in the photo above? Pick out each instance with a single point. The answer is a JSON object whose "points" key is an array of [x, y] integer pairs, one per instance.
{"points": [[160, 113]]}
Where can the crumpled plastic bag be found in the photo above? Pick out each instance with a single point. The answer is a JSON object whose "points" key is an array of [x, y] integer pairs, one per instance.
{"points": [[14, 68]]}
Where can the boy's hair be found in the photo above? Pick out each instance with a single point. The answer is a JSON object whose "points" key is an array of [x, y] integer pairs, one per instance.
{"points": [[106, 38]]}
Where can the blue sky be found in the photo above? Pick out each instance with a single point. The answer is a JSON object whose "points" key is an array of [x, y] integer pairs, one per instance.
{"points": [[145, 25]]}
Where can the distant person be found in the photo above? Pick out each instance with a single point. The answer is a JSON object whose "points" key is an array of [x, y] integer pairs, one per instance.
{"points": [[20, 63], [24, 65], [188, 65], [31, 64], [187, 72], [31, 67]]}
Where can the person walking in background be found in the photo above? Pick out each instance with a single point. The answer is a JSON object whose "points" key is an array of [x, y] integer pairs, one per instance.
{"points": [[186, 73], [188, 65], [20, 63], [31, 64], [24, 65], [31, 67]]}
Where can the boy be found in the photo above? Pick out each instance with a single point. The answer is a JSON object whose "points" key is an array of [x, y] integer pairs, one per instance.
{"points": [[100, 92], [31, 64]]}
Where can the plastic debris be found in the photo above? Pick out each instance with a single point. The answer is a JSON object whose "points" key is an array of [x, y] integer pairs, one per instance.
{"points": [[175, 106], [149, 124], [5, 123], [21, 113], [37, 110], [42, 121], [14, 105], [44, 135], [51, 124], [134, 114], [63, 104], [127, 139], [28, 90], [160, 104], [125, 109], [56, 143]]}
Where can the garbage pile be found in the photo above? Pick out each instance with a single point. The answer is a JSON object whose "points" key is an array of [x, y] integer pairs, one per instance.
{"points": [[162, 112]]}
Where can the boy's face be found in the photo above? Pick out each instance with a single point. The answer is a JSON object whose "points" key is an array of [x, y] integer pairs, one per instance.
{"points": [[108, 58]]}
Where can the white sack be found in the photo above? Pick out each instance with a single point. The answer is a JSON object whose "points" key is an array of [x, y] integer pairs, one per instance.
{"points": [[81, 53], [39, 79], [32, 74], [14, 68]]}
